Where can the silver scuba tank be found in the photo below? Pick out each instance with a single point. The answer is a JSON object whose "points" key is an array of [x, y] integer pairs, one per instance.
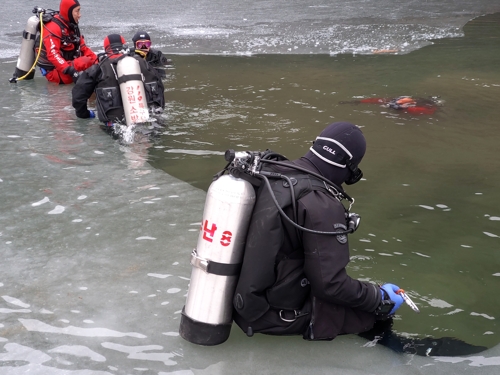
{"points": [[26, 57], [132, 91], [207, 316]]}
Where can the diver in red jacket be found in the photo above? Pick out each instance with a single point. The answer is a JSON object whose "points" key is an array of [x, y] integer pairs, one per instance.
{"points": [[419, 106], [64, 52]]}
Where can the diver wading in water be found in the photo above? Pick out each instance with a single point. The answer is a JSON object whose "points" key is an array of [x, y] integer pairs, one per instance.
{"points": [[127, 89], [273, 251], [55, 39]]}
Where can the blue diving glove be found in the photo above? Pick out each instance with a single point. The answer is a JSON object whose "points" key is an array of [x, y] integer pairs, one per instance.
{"points": [[91, 113], [389, 292]]}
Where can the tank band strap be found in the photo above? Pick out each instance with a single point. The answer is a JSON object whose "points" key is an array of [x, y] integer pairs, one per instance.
{"points": [[27, 35], [129, 77], [209, 266]]}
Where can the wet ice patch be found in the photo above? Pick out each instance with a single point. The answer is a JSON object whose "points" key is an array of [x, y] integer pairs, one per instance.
{"points": [[39, 203], [482, 315], [10, 311], [421, 255], [79, 351], [138, 352], [15, 301], [159, 275], [434, 302], [426, 207], [490, 234], [16, 352], [456, 311], [34, 325], [57, 210], [173, 334]]}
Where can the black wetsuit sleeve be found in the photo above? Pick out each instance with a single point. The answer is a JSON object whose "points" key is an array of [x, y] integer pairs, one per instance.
{"points": [[327, 256], [156, 58], [83, 89]]}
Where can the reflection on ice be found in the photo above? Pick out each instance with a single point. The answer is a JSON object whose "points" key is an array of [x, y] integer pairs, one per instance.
{"points": [[36, 358], [475, 361], [79, 351], [44, 200], [8, 311], [159, 276], [38, 326], [57, 210], [483, 315], [15, 301], [137, 352]]}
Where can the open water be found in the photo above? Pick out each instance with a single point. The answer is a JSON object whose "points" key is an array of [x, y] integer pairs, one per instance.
{"points": [[95, 236]]}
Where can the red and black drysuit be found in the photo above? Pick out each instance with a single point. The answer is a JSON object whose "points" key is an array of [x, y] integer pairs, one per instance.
{"points": [[64, 52]]}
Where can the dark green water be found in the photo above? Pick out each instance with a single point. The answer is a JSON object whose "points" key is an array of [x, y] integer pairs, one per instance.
{"points": [[430, 202]]}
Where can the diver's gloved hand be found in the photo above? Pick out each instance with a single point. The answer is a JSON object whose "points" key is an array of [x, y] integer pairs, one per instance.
{"points": [[389, 292], [83, 62], [91, 113], [165, 61], [72, 72]]}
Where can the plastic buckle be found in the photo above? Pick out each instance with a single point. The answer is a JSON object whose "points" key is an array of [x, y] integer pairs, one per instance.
{"points": [[198, 262]]}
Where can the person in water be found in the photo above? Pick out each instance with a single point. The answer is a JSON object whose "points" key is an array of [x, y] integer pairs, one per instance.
{"points": [[294, 281], [64, 53], [142, 47], [414, 105], [101, 79]]}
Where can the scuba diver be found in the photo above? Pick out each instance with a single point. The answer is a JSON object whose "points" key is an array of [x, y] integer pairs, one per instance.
{"points": [[273, 252], [294, 281], [142, 47], [409, 104], [64, 53], [293, 278], [112, 74]]}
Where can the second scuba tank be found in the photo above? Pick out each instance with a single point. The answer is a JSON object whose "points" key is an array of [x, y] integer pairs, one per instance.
{"points": [[132, 91], [207, 316], [26, 57]]}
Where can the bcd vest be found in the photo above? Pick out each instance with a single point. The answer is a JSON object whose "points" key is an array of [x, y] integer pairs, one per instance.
{"points": [[108, 96], [70, 43], [155, 91], [272, 272]]}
